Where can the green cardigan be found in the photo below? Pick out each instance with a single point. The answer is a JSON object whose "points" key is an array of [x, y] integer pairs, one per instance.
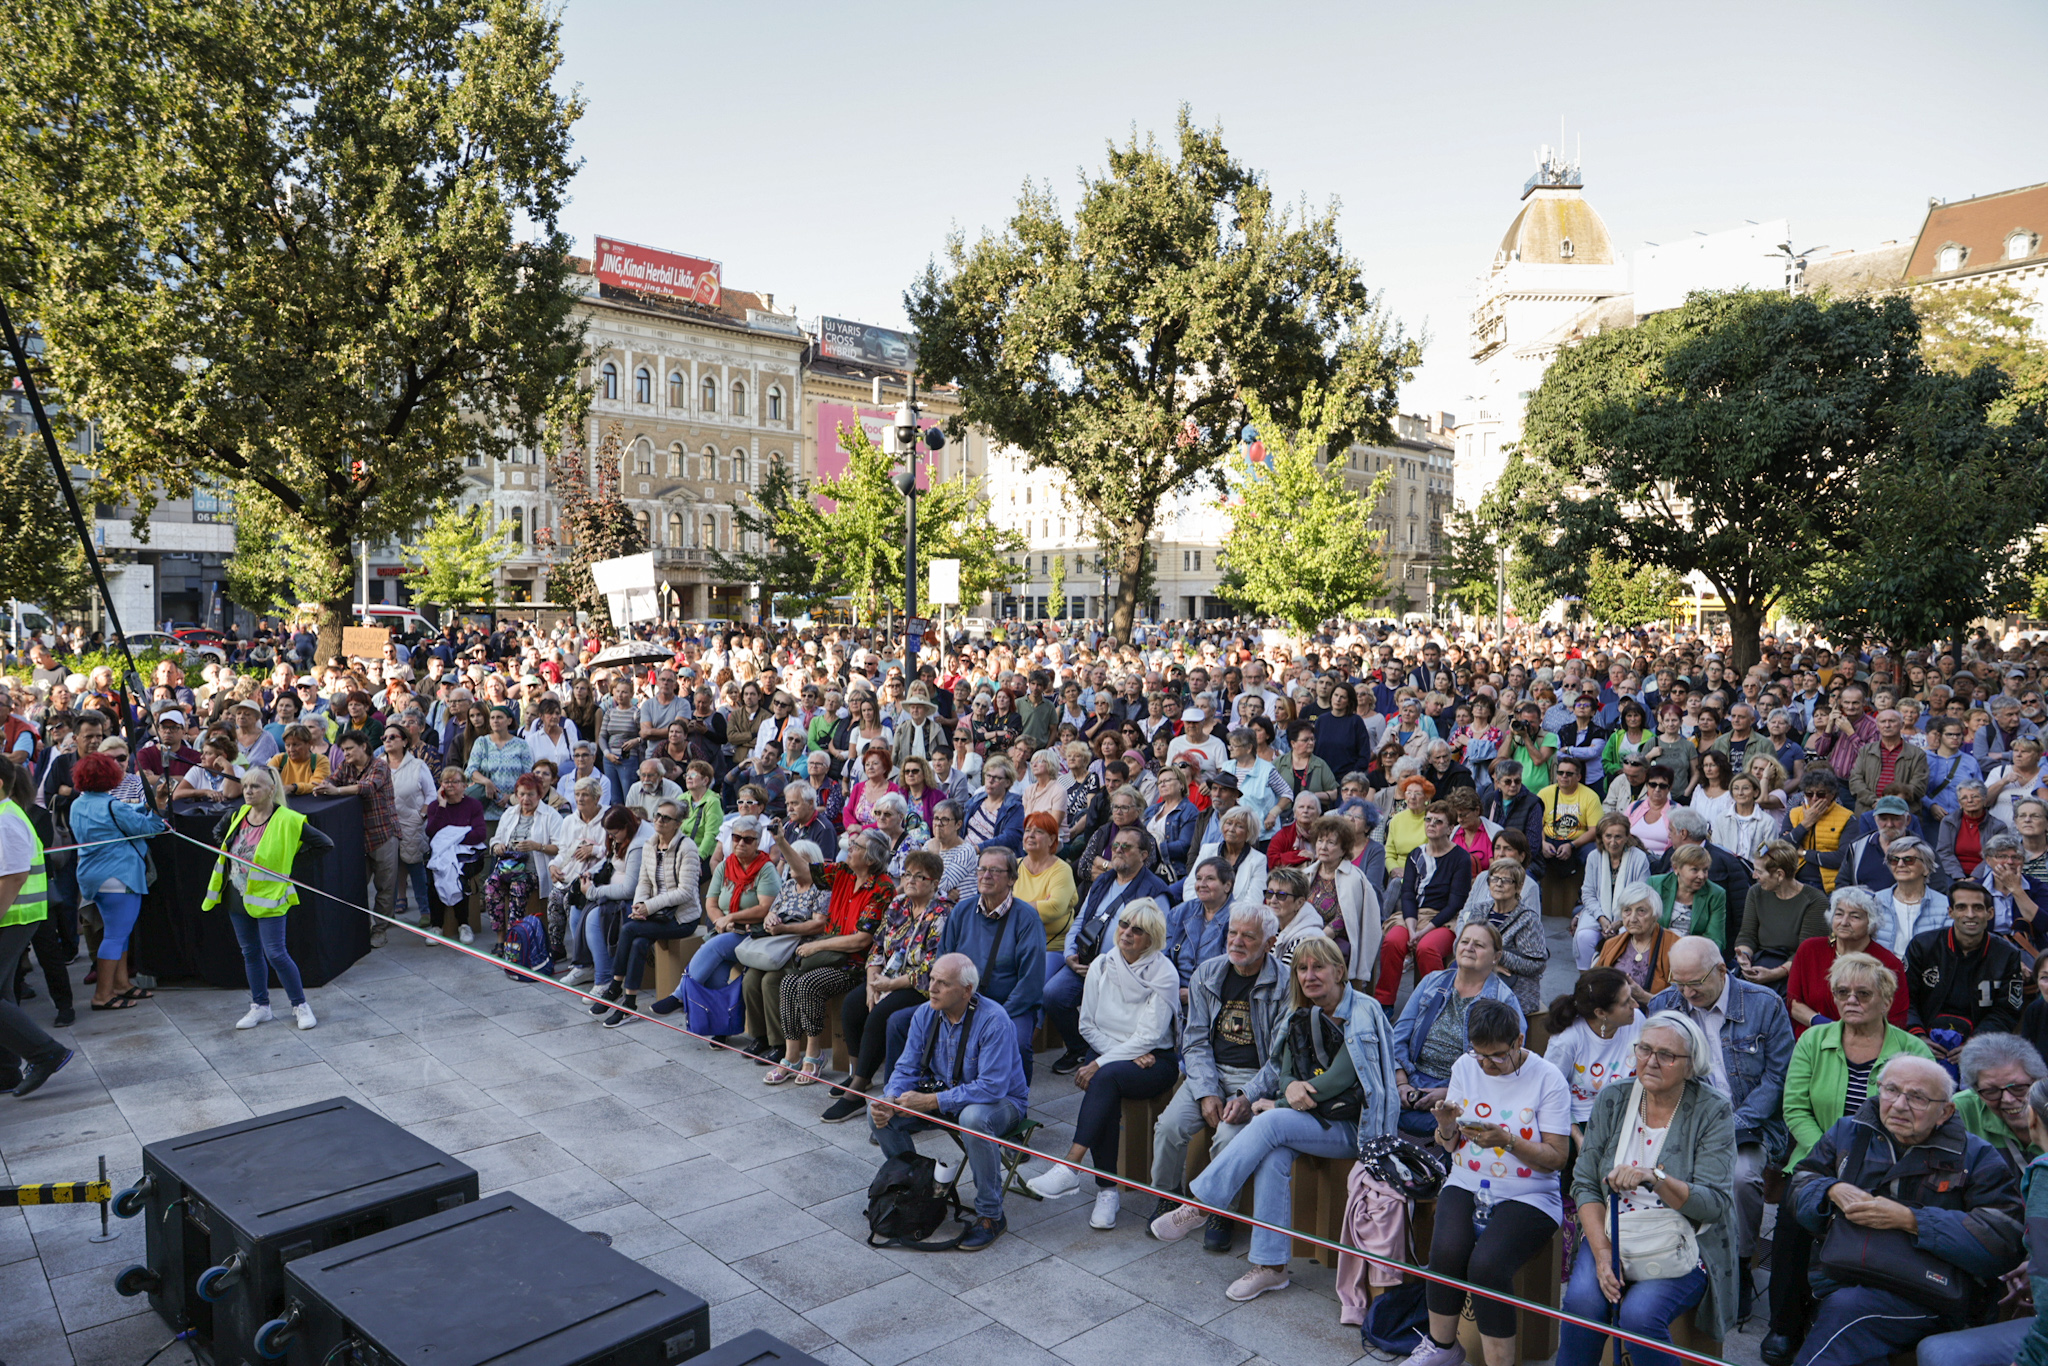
{"points": [[1700, 1151], [1985, 1122], [1709, 908], [1817, 1081]]}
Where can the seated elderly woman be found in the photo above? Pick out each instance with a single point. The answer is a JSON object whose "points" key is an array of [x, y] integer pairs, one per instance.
{"points": [[744, 884], [833, 958], [1809, 995], [1642, 947], [1506, 1122], [1518, 916], [1130, 1015], [1928, 1205], [1997, 1071], [899, 977], [1830, 1077], [1330, 1078], [1690, 903], [799, 910], [1615, 861], [1430, 1037], [1663, 1147], [528, 836]]}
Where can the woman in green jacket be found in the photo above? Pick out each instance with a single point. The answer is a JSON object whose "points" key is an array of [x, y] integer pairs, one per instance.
{"points": [[1686, 888], [1833, 1071]]}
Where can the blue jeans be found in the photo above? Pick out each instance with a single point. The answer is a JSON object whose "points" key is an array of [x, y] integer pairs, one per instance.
{"points": [[1647, 1308], [1063, 988], [262, 941], [1420, 1123], [598, 943], [1996, 1344], [1855, 1324], [714, 960], [984, 1159], [416, 883], [1264, 1155]]}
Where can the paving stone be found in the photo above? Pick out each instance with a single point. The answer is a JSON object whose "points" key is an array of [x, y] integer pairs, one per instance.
{"points": [[873, 1323], [740, 1228]]}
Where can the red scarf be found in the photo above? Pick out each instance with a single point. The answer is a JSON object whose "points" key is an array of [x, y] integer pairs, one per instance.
{"points": [[740, 876]]}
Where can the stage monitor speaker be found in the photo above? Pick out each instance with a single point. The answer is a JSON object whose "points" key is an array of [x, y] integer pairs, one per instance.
{"points": [[226, 1208], [499, 1282]]}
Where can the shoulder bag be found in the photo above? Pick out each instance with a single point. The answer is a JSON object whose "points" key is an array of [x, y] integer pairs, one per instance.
{"points": [[767, 952], [1655, 1244], [1888, 1258]]}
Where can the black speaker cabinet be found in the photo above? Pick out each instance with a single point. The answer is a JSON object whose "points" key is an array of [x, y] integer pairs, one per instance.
{"points": [[756, 1348], [500, 1281], [226, 1208]]}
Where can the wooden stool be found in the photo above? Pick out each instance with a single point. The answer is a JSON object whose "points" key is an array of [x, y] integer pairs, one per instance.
{"points": [[666, 965], [1134, 1145], [1321, 1189], [841, 1058]]}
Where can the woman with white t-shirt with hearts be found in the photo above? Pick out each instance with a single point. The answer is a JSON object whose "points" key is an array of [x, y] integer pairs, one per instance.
{"points": [[1592, 1039], [1506, 1121]]}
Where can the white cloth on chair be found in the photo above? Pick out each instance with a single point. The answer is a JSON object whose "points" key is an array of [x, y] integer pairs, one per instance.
{"points": [[444, 862]]}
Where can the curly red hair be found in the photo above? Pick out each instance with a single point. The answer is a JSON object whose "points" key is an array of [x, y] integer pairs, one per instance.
{"points": [[97, 773]]}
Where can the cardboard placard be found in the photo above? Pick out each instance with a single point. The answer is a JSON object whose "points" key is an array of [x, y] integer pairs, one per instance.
{"points": [[364, 642]]}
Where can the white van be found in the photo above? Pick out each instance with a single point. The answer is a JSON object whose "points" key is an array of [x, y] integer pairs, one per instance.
{"points": [[408, 621]]}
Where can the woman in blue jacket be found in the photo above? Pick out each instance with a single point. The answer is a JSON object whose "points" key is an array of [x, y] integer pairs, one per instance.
{"points": [[1175, 824], [111, 875], [1422, 1065]]}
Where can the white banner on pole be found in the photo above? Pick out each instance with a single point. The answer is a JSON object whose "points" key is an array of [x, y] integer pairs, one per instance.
{"points": [[628, 587], [945, 582]]}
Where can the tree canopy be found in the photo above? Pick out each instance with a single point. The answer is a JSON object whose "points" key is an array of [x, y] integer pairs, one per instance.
{"points": [[766, 552], [1300, 546], [594, 523], [457, 557], [307, 251], [1724, 437], [1115, 348], [40, 558]]}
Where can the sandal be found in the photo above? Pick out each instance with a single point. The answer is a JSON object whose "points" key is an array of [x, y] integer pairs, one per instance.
{"points": [[115, 1003], [137, 994], [779, 1074], [807, 1075]]}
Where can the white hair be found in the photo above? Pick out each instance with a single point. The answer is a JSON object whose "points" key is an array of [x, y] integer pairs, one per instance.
{"points": [[1700, 1051], [1938, 1078]]}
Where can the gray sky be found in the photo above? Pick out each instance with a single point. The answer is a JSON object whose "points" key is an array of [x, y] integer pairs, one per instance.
{"points": [[823, 152]]}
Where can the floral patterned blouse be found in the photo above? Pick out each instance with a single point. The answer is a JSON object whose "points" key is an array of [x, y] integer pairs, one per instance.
{"points": [[915, 935]]}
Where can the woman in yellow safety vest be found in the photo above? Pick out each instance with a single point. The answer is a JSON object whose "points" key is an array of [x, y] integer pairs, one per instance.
{"points": [[28, 1056], [267, 833]]}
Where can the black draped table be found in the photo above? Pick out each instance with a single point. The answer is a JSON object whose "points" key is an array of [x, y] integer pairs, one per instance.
{"points": [[174, 938]]}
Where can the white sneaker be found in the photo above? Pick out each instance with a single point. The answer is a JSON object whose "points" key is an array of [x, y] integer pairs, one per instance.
{"points": [[303, 1013], [257, 1015], [1107, 1203], [465, 933], [1055, 1182], [578, 976], [947, 1169]]}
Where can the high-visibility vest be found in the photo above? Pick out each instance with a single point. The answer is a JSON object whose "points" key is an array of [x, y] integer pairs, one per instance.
{"points": [[266, 896], [32, 902]]}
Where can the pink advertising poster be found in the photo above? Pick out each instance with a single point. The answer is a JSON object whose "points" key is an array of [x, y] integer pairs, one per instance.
{"points": [[833, 418]]}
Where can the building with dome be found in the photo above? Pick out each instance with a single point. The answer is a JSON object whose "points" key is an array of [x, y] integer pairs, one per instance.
{"points": [[1555, 264]]}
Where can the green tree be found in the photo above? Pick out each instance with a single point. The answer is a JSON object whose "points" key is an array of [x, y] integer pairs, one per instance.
{"points": [[1478, 539], [863, 535], [1988, 324], [1115, 348], [1945, 531], [40, 558], [280, 247], [1057, 603], [1623, 595], [1300, 546], [594, 524], [785, 572], [457, 557], [1723, 438]]}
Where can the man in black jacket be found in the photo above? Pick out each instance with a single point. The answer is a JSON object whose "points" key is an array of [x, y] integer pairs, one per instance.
{"points": [[1963, 980]]}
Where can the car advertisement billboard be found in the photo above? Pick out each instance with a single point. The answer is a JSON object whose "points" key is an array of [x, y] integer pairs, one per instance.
{"points": [[629, 265], [860, 344]]}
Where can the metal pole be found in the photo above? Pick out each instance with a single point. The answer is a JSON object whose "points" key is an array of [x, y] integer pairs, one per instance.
{"points": [[910, 576]]}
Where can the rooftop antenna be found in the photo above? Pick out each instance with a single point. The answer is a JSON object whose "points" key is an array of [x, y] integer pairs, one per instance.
{"points": [[1579, 157]]}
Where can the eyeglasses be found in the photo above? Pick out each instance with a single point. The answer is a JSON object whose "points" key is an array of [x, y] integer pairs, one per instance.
{"points": [[1275, 894], [2015, 1092], [1896, 860], [1897, 1095], [1663, 1057], [746, 839], [1696, 983], [1504, 1058], [666, 820], [1657, 787]]}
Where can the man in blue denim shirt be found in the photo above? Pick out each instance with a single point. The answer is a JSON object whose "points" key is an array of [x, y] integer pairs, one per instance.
{"points": [[1752, 1038]]}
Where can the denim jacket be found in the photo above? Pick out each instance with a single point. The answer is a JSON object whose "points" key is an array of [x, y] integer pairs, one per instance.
{"points": [[1267, 1006], [1425, 1003], [1756, 1041], [1371, 1042]]}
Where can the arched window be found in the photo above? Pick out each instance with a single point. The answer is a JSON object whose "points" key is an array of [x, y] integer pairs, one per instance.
{"points": [[675, 528], [643, 386], [640, 518], [1950, 258], [678, 391], [704, 471], [643, 455], [739, 399], [608, 380], [2020, 245], [775, 405], [710, 541], [679, 462], [710, 394]]}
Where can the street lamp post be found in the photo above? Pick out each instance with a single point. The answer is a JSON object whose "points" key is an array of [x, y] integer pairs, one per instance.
{"points": [[907, 413]]}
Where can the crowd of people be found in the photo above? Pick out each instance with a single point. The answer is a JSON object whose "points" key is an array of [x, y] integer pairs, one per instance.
{"points": [[1293, 892]]}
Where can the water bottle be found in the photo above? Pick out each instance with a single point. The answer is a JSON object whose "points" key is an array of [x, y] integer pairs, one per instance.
{"points": [[1482, 1206]]}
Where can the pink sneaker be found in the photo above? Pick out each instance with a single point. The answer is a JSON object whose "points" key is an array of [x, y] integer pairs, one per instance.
{"points": [[1257, 1282], [1177, 1223]]}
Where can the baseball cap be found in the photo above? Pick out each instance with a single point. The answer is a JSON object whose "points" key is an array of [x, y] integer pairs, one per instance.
{"points": [[1892, 806], [172, 715], [1193, 715]]}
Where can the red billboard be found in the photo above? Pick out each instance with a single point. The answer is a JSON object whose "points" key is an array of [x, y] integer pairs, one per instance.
{"points": [[631, 266]]}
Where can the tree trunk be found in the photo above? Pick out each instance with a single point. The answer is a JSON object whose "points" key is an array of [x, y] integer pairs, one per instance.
{"points": [[334, 610], [1130, 565], [1745, 632]]}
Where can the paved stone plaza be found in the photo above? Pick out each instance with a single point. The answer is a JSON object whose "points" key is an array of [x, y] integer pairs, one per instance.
{"points": [[728, 1187]]}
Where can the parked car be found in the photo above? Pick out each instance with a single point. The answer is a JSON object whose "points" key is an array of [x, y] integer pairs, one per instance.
{"points": [[189, 653], [410, 623]]}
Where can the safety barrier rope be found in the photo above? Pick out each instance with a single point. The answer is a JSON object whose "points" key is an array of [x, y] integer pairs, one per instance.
{"points": [[940, 1122]]}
